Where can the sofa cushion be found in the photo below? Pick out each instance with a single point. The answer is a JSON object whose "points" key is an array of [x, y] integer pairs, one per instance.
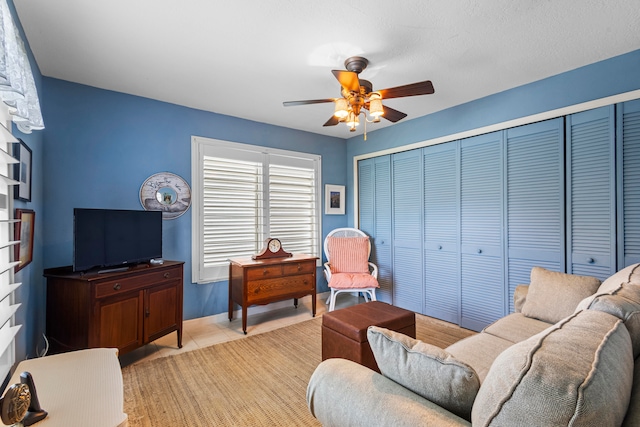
{"points": [[348, 254], [630, 274], [479, 351], [516, 327], [425, 369], [624, 303], [578, 372], [552, 296], [519, 297]]}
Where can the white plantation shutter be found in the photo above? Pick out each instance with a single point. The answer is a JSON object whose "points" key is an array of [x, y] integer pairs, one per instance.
{"points": [[243, 194], [8, 328], [293, 216]]}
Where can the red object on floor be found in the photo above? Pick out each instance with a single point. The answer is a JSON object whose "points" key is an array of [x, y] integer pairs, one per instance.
{"points": [[344, 331]]}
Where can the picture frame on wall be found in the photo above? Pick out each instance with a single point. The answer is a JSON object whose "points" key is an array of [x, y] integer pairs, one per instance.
{"points": [[23, 232], [334, 199], [22, 171]]}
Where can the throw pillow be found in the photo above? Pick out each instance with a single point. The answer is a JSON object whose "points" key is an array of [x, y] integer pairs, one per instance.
{"points": [[348, 254], [579, 372], [427, 370], [624, 303], [552, 296]]}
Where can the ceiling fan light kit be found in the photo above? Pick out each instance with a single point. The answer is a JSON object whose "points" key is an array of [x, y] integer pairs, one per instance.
{"points": [[357, 94]]}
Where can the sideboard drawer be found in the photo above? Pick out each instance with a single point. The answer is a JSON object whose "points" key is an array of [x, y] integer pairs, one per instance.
{"points": [[137, 282], [258, 290], [264, 272], [299, 268]]}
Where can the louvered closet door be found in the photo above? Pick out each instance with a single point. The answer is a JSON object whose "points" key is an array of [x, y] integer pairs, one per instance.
{"points": [[591, 210], [374, 199], [481, 222], [535, 201], [407, 230], [628, 183], [382, 240], [441, 234]]}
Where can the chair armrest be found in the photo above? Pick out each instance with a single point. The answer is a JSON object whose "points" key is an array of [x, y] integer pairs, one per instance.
{"points": [[519, 297], [327, 271], [374, 270], [344, 393]]}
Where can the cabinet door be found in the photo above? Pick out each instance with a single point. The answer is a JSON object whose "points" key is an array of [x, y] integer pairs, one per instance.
{"points": [[481, 223], [441, 232], [535, 201], [407, 230], [628, 183], [120, 322], [591, 193], [374, 195], [160, 311]]}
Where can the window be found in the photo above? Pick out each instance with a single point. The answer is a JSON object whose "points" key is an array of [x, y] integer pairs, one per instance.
{"points": [[243, 194], [8, 328]]}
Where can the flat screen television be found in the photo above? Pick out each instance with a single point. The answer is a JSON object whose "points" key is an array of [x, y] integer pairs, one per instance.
{"points": [[110, 238]]}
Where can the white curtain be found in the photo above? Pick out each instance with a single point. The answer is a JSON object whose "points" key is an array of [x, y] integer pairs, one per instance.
{"points": [[17, 87]]}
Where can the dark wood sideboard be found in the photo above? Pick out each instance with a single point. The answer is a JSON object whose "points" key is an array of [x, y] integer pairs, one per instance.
{"points": [[123, 309], [258, 282]]}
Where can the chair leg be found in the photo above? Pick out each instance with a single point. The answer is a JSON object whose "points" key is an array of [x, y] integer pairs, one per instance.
{"points": [[332, 298]]}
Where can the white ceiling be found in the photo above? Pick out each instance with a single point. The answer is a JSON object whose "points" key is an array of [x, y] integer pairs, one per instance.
{"points": [[244, 58]]}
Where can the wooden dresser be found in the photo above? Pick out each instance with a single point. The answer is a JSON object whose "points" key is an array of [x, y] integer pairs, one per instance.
{"points": [[123, 310], [262, 282]]}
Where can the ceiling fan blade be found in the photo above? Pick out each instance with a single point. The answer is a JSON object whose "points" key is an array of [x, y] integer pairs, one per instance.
{"points": [[393, 115], [307, 102], [348, 80], [420, 88], [332, 121]]}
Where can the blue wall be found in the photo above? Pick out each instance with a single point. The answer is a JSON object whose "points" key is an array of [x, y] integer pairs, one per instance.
{"points": [[602, 79], [100, 146]]}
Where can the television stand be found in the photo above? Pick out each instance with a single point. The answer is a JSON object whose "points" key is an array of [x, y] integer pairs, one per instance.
{"points": [[113, 270], [121, 309]]}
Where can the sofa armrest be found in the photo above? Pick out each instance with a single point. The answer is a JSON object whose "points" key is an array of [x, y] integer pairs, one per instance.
{"points": [[519, 297], [344, 393]]}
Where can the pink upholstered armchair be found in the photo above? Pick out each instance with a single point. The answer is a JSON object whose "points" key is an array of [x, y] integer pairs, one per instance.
{"points": [[348, 268]]}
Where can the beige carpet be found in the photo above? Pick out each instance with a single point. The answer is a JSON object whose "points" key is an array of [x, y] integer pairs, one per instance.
{"points": [[260, 380]]}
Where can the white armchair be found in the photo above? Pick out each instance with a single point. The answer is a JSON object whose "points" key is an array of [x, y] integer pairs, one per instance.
{"points": [[348, 268]]}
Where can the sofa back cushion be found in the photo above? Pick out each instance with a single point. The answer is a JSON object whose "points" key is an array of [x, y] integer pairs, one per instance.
{"points": [[552, 296], [578, 372], [425, 369], [629, 274]]}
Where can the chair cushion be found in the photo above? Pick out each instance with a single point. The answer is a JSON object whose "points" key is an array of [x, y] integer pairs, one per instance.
{"points": [[425, 369], [578, 372], [353, 281], [552, 296], [348, 254]]}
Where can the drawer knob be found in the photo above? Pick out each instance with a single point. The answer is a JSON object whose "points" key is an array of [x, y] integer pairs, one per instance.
{"points": [[117, 286], [264, 271], [167, 275], [299, 267], [591, 260], [479, 251], [439, 246]]}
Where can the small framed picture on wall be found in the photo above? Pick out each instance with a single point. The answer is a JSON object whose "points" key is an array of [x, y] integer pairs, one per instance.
{"points": [[22, 171], [23, 231], [334, 199]]}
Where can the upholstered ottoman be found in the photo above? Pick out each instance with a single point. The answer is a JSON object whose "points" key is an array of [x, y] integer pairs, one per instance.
{"points": [[344, 331]]}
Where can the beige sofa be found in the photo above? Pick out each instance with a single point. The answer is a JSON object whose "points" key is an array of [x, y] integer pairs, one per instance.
{"points": [[566, 356]]}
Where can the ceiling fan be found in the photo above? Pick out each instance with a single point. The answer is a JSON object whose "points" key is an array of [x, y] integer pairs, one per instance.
{"points": [[358, 94]]}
